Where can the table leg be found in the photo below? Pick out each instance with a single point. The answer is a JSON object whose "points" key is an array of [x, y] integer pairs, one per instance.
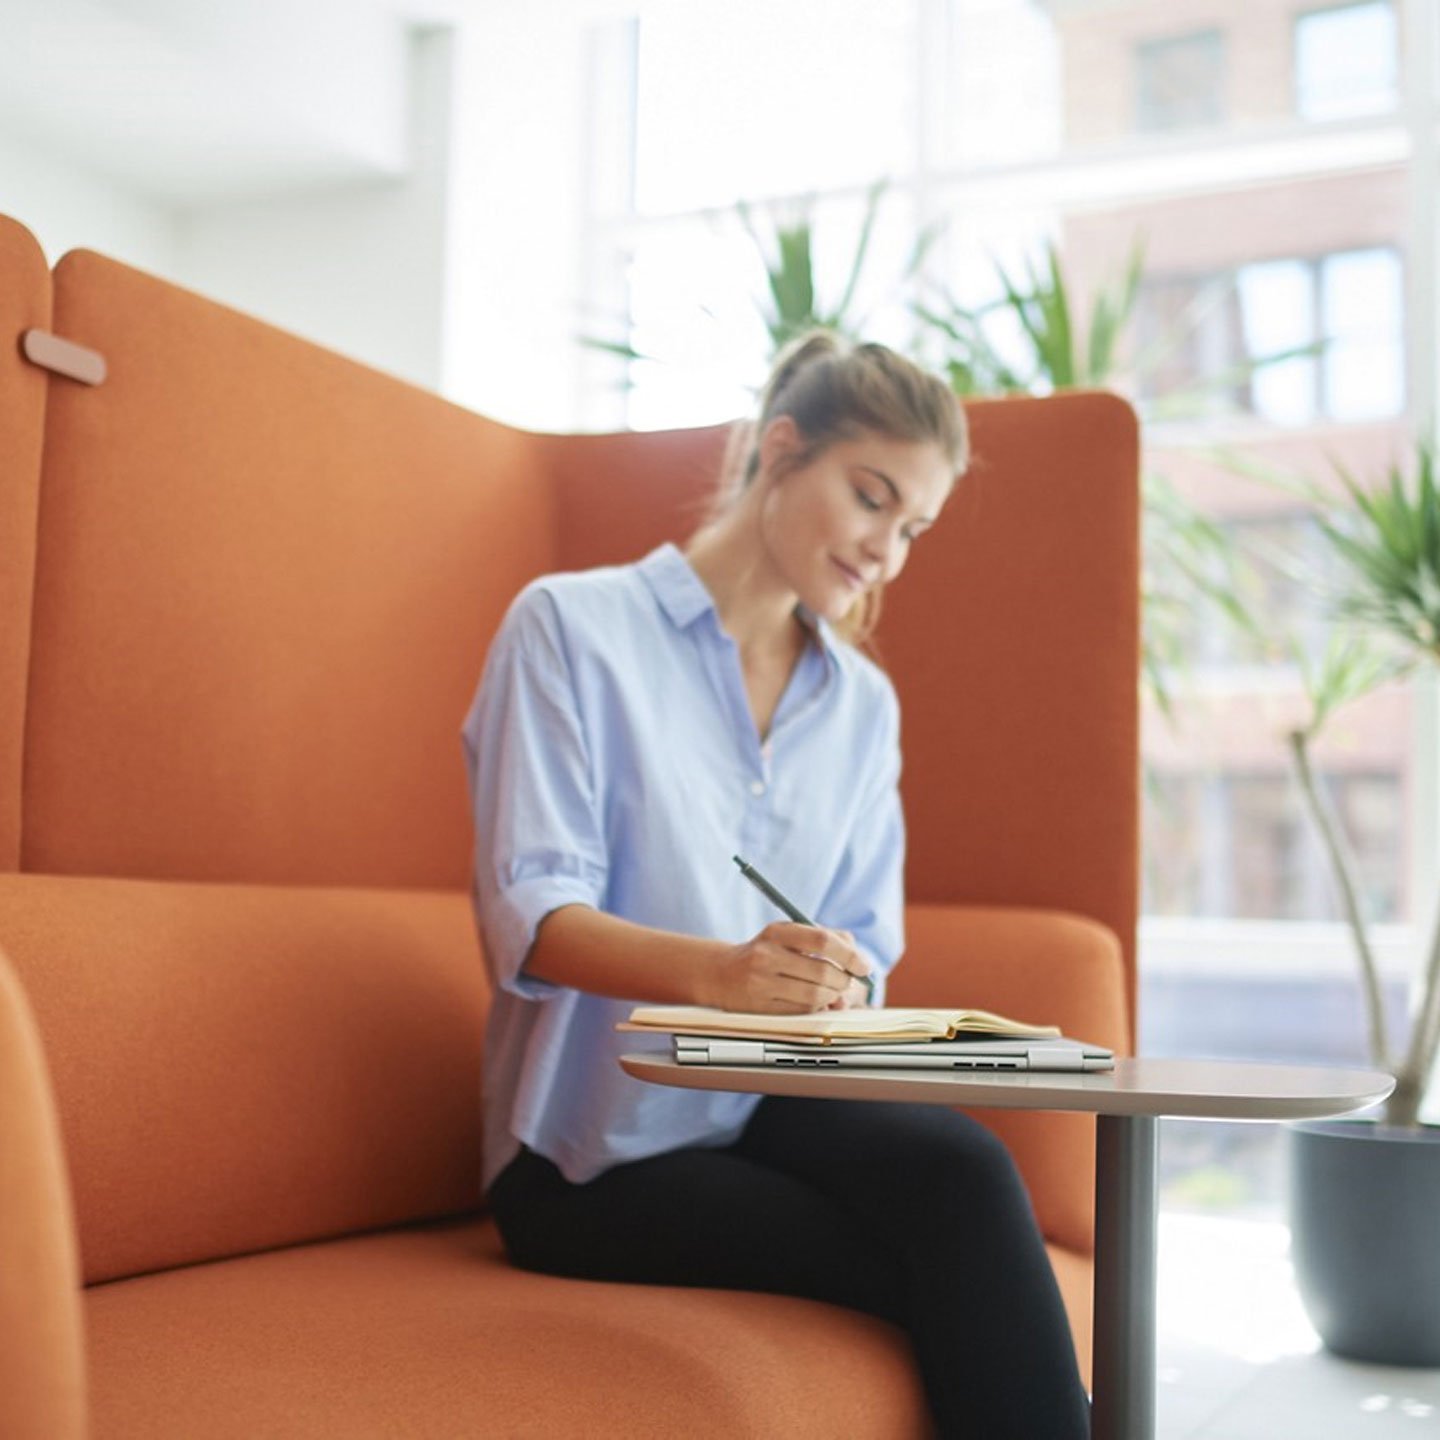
{"points": [[1124, 1354]]}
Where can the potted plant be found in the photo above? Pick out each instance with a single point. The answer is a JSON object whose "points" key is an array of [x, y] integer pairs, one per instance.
{"points": [[1365, 1194]]}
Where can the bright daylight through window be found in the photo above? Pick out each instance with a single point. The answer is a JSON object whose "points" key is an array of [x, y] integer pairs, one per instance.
{"points": [[1248, 182]]}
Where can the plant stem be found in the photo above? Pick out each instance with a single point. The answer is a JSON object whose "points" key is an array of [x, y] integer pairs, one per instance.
{"points": [[1343, 867], [1424, 1041]]}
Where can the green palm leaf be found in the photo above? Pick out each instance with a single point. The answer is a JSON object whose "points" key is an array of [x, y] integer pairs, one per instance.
{"points": [[1387, 541]]}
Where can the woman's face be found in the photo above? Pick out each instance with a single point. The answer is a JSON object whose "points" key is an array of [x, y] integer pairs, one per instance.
{"points": [[845, 521]]}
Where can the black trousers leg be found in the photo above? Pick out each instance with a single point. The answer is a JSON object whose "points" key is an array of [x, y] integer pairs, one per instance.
{"points": [[700, 1217], [942, 1195], [911, 1213]]}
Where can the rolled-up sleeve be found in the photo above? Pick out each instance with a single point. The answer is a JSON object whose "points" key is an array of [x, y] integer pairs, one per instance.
{"points": [[538, 844], [867, 896]]}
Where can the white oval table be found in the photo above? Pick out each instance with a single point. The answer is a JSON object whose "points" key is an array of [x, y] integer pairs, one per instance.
{"points": [[1127, 1101]]}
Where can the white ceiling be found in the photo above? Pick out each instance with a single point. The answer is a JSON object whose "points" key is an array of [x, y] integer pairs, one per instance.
{"points": [[191, 102]]}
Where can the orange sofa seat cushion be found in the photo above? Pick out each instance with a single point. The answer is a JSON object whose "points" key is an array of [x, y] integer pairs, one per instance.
{"points": [[240, 1067], [429, 1332]]}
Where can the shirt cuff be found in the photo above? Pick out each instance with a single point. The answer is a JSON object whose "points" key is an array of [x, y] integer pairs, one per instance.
{"points": [[515, 916]]}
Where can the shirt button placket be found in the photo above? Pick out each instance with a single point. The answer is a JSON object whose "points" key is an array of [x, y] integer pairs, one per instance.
{"points": [[756, 810]]}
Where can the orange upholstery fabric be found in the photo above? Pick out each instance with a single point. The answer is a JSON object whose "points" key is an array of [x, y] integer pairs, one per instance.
{"points": [[292, 567], [1076, 1276], [667, 481], [429, 1333], [238, 1067], [1013, 639], [245, 595], [42, 1363], [24, 305], [1046, 967]]}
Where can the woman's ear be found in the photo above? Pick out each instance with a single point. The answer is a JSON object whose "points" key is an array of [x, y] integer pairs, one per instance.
{"points": [[781, 443]]}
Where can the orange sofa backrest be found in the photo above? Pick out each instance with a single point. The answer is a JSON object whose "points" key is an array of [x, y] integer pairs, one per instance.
{"points": [[264, 580], [293, 565]]}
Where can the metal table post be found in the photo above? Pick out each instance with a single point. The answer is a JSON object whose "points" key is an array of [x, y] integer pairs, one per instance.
{"points": [[1125, 1207]]}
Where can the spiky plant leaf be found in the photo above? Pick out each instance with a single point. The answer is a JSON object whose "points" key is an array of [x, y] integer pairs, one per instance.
{"points": [[1387, 541], [1351, 666]]}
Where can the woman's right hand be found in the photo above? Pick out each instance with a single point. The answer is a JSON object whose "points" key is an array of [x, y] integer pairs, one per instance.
{"points": [[786, 969]]}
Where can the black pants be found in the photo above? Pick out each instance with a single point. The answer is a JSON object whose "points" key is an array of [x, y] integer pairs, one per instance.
{"points": [[913, 1213]]}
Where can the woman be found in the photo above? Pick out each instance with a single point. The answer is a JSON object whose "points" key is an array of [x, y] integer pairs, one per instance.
{"points": [[637, 726]]}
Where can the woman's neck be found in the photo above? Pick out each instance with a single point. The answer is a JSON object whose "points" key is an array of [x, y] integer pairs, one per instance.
{"points": [[755, 606]]}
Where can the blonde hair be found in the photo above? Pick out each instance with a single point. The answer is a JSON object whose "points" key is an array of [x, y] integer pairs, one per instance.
{"points": [[834, 390]]}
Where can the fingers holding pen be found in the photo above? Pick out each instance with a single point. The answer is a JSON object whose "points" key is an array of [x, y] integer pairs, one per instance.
{"points": [[852, 984], [835, 948], [790, 968], [852, 970]]}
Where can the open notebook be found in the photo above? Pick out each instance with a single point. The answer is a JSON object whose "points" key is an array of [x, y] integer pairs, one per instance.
{"points": [[832, 1027]]}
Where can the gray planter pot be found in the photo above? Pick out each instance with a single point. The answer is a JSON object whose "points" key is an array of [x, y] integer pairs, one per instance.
{"points": [[1365, 1237]]}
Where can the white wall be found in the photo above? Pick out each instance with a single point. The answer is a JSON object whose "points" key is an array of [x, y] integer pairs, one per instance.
{"points": [[68, 207], [412, 199], [361, 267], [290, 160]]}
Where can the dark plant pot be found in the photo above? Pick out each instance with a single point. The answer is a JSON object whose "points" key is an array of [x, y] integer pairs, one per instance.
{"points": [[1365, 1237]]}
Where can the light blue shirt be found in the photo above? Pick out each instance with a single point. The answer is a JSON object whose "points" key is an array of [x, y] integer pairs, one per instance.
{"points": [[614, 762]]}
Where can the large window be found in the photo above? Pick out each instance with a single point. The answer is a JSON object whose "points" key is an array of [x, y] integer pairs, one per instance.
{"points": [[1259, 155]]}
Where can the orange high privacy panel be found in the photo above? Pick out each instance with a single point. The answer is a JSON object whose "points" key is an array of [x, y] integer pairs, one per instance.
{"points": [[1012, 639], [24, 307], [266, 579], [618, 496]]}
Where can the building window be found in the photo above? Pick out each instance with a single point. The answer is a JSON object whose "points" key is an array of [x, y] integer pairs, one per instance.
{"points": [[1189, 330], [1346, 61], [1208, 330], [1180, 82], [1351, 304]]}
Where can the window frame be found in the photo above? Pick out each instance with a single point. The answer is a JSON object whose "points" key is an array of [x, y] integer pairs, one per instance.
{"points": [[1142, 167]]}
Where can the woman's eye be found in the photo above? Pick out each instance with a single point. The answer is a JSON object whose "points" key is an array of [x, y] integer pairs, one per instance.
{"points": [[867, 500]]}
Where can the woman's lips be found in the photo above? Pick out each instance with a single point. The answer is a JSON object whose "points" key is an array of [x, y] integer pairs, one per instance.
{"points": [[853, 578]]}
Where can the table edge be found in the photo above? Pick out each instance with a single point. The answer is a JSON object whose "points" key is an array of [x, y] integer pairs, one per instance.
{"points": [[1059, 1092]]}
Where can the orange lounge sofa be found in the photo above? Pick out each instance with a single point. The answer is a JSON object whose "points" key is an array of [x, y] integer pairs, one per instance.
{"points": [[245, 595]]}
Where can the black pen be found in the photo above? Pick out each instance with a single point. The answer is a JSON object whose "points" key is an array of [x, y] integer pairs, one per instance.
{"points": [[792, 911]]}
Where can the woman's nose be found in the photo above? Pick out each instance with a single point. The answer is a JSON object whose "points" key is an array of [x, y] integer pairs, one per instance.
{"points": [[886, 548]]}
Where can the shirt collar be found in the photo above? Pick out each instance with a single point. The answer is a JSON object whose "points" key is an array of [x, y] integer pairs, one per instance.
{"points": [[680, 591], [684, 598]]}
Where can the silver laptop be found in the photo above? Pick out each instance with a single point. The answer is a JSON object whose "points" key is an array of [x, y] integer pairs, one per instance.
{"points": [[988, 1054]]}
